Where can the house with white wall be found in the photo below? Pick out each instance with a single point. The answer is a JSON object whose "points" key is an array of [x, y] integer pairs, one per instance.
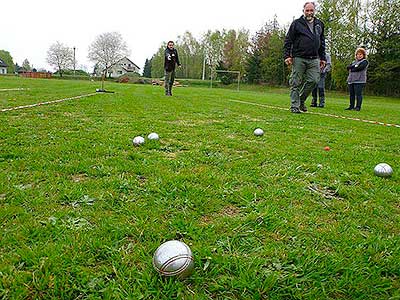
{"points": [[3, 67], [122, 67]]}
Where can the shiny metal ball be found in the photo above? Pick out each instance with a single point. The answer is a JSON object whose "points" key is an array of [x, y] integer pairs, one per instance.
{"points": [[153, 136], [383, 170], [258, 132], [173, 258], [138, 140]]}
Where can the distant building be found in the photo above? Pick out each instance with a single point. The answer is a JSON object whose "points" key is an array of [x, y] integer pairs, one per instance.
{"points": [[122, 67], [3, 67]]}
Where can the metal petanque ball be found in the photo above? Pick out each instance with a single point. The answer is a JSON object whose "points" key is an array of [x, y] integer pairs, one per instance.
{"points": [[173, 258], [383, 170], [137, 141], [153, 136], [258, 132]]}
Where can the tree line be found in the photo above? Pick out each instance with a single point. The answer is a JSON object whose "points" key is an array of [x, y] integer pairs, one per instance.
{"points": [[372, 24]]}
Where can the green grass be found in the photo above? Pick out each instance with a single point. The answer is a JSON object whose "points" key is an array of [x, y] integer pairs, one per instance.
{"points": [[274, 217]]}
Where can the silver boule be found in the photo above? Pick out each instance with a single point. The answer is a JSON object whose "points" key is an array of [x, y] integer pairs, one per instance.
{"points": [[383, 170], [138, 140], [258, 132], [153, 136], [173, 258]]}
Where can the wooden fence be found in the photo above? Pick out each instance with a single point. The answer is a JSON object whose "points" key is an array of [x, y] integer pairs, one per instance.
{"points": [[35, 74]]}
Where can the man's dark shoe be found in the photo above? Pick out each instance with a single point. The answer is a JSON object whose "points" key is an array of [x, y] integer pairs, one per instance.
{"points": [[321, 106], [303, 107], [295, 110], [313, 104], [357, 109], [349, 108]]}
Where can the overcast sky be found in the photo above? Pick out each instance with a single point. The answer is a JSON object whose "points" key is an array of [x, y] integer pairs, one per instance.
{"points": [[29, 27]]}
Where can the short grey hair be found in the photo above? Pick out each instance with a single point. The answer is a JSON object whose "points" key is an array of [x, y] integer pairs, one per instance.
{"points": [[313, 3]]}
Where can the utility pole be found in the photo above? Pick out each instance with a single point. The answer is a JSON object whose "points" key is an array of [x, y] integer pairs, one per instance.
{"points": [[204, 68], [74, 61]]}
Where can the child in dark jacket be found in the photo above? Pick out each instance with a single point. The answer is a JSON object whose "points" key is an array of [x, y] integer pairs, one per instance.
{"points": [[357, 78]]}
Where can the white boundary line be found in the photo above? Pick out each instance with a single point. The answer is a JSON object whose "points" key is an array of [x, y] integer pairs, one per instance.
{"points": [[46, 103], [16, 89], [320, 114]]}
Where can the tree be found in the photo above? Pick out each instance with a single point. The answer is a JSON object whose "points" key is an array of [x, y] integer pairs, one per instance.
{"points": [[265, 63], [6, 57], [383, 40], [106, 50], [253, 68], [60, 57], [26, 65], [147, 68], [190, 55], [157, 62], [235, 50], [259, 42], [213, 45], [343, 21]]}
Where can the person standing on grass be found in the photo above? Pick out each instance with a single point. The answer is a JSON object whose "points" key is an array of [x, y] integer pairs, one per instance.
{"points": [[357, 78], [304, 50], [171, 59], [319, 90]]}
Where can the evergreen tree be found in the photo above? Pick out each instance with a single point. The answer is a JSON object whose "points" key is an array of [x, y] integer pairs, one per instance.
{"points": [[272, 65], [147, 68], [265, 63], [253, 68]]}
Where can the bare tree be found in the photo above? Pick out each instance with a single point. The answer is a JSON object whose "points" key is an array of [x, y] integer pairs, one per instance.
{"points": [[106, 50], [60, 57]]}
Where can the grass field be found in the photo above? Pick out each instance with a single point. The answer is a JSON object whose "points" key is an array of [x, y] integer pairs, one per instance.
{"points": [[273, 217]]}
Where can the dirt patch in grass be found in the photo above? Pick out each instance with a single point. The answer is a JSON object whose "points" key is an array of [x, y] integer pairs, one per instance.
{"points": [[79, 177], [227, 211], [170, 155]]}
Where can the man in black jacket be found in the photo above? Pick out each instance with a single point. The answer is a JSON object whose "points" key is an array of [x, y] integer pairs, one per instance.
{"points": [[171, 59], [304, 49]]}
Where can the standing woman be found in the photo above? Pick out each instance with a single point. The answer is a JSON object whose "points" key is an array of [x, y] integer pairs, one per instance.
{"points": [[357, 78]]}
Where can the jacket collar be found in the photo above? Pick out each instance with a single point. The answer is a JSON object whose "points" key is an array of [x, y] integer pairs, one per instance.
{"points": [[304, 21]]}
